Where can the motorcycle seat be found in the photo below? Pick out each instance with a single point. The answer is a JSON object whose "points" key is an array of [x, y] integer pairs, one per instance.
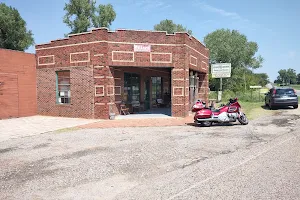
{"points": [[215, 110]]}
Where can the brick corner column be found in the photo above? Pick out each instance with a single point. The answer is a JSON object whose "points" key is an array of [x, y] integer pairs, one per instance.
{"points": [[180, 92], [104, 91]]}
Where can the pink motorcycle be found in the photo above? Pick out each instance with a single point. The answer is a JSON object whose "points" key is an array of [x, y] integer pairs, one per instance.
{"points": [[226, 114]]}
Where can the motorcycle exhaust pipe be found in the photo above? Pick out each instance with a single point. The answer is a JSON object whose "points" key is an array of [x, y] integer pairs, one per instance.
{"points": [[214, 120], [208, 119]]}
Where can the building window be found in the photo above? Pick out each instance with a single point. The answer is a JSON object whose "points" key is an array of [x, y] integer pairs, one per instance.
{"points": [[63, 91], [131, 87]]}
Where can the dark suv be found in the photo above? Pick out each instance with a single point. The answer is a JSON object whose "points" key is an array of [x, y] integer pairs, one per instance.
{"points": [[281, 97]]}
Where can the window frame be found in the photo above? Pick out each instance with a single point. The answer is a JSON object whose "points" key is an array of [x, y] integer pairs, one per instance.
{"points": [[57, 91]]}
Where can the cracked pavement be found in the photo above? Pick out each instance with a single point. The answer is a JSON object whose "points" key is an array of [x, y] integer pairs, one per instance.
{"points": [[257, 161]]}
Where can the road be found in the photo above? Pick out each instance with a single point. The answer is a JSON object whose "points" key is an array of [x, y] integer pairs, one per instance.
{"points": [[257, 161]]}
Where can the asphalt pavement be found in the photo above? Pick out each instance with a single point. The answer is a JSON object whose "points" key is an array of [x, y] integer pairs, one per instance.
{"points": [[258, 161]]}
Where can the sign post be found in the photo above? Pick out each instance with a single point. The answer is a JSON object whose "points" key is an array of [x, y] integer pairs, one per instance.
{"points": [[221, 70]]}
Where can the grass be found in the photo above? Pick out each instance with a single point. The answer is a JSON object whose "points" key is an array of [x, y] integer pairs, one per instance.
{"points": [[248, 96], [254, 110], [63, 130], [296, 87]]}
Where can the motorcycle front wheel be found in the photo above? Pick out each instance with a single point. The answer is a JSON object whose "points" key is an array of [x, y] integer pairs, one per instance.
{"points": [[206, 124], [243, 119]]}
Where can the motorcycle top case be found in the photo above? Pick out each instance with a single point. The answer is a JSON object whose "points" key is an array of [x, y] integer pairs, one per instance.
{"points": [[203, 114]]}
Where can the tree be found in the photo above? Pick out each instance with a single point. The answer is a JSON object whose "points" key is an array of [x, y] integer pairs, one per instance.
{"points": [[288, 76], [233, 47], [170, 27], [83, 14], [262, 78], [282, 78], [292, 76], [13, 32], [106, 15], [298, 78]]}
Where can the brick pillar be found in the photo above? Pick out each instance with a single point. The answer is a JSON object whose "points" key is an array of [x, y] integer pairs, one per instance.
{"points": [[180, 92], [206, 87], [203, 87], [104, 91]]}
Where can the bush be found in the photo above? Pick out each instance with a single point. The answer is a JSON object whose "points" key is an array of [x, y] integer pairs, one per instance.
{"points": [[242, 96]]}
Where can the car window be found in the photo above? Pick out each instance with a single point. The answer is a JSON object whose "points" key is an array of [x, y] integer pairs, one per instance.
{"points": [[285, 91]]}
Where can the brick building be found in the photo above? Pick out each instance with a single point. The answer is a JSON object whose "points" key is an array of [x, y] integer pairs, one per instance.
{"points": [[17, 84], [91, 74]]}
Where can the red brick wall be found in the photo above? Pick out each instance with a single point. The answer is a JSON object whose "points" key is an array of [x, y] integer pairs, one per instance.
{"points": [[82, 93], [105, 50], [9, 98], [18, 97]]}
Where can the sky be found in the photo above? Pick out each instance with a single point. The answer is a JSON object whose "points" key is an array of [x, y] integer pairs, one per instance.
{"points": [[274, 25]]}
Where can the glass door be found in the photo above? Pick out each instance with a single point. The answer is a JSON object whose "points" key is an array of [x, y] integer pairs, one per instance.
{"points": [[147, 94], [156, 92], [131, 87]]}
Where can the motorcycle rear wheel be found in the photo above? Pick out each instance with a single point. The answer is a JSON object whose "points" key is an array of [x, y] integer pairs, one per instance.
{"points": [[206, 124], [243, 119]]}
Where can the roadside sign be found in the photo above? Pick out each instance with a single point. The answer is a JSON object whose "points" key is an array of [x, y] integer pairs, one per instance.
{"points": [[264, 90], [255, 87], [221, 70]]}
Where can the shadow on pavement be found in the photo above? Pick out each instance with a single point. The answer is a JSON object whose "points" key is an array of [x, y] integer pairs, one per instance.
{"points": [[278, 108], [214, 124]]}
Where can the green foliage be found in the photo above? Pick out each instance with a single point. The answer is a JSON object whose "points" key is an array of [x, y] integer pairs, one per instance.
{"points": [[13, 32], [296, 87], [287, 77], [230, 46], [106, 15], [247, 96], [83, 14], [298, 78], [171, 27]]}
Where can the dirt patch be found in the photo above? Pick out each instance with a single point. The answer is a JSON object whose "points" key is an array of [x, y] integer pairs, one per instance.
{"points": [[285, 121], [29, 171], [82, 153], [7, 150], [43, 145], [193, 162]]}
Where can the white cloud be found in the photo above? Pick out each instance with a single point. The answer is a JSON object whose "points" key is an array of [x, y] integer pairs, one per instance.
{"points": [[243, 22], [148, 5], [291, 54], [219, 11]]}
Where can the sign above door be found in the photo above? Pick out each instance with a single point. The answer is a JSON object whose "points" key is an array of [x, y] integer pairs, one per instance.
{"points": [[142, 48]]}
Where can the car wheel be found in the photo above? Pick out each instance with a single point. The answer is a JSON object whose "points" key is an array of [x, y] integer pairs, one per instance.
{"points": [[296, 106], [271, 107], [266, 104]]}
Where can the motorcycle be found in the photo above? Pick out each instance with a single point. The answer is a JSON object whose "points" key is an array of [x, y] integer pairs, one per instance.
{"points": [[225, 114]]}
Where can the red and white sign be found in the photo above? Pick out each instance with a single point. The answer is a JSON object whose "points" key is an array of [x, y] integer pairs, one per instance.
{"points": [[142, 48]]}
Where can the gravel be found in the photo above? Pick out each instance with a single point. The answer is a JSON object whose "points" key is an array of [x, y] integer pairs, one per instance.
{"points": [[134, 163]]}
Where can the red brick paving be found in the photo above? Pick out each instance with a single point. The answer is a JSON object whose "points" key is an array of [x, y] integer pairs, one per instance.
{"points": [[140, 122]]}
